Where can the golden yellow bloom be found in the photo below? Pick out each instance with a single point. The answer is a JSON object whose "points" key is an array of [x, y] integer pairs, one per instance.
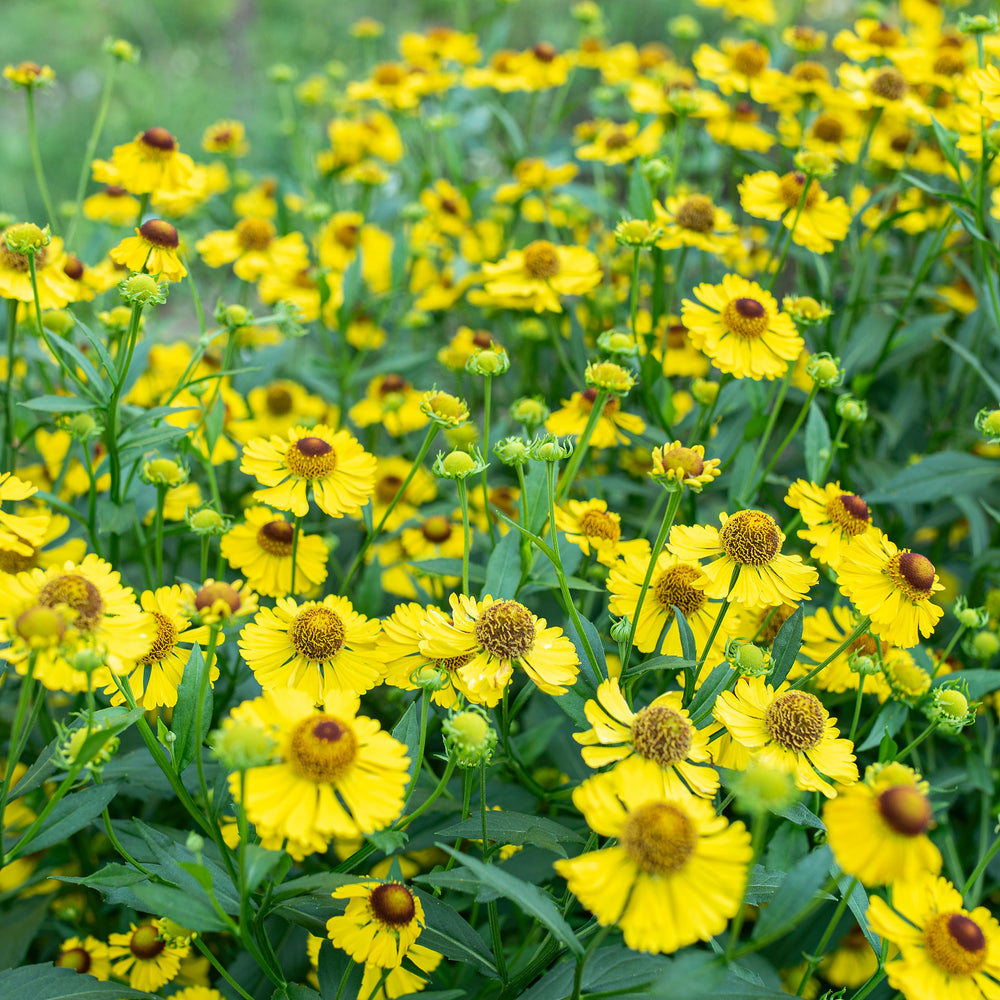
{"points": [[145, 957], [55, 288], [151, 162], [153, 249], [693, 221], [675, 464], [589, 525], [834, 518], [254, 248], [393, 403], [227, 136], [612, 427]]}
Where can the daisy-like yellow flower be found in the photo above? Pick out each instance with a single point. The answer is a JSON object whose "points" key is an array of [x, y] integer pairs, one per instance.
{"points": [[227, 136], [740, 327], [254, 248], [751, 541], [158, 672], [331, 464], [788, 730], [822, 220], [536, 277], [55, 288], [390, 474], [611, 142], [393, 403], [463, 345], [677, 873], [337, 774], [145, 957], [591, 527], [674, 465], [151, 162], [612, 428], [87, 956], [852, 963], [498, 635], [945, 950], [693, 221], [893, 587], [877, 828], [19, 534], [659, 740], [279, 406], [319, 647], [153, 249], [261, 549], [834, 518]]}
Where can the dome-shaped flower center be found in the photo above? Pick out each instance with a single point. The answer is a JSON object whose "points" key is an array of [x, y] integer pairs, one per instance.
{"points": [[452, 663], [392, 384], [310, 458], [14, 261], [388, 75], [278, 401], [912, 573], [77, 959], [696, 213], [674, 587], [659, 838], [392, 904], [906, 809], [541, 261], [544, 52], [745, 317], [322, 748], [255, 233], [791, 186], [865, 645], [601, 526], [437, 529], [160, 233], [347, 235], [828, 128], [751, 538], [750, 58], [73, 267], [769, 625], [795, 719], [949, 63], [677, 336], [744, 112], [158, 139], [386, 488], [78, 594], [38, 625], [164, 641], [849, 513], [661, 734], [884, 34], [956, 943], [889, 84], [276, 538], [506, 630], [317, 633], [905, 677], [212, 593], [616, 140], [685, 463], [900, 141], [483, 339], [810, 71], [18, 562], [145, 943]]}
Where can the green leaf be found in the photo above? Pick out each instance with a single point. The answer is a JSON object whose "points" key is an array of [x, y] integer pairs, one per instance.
{"points": [[503, 827], [179, 905], [46, 982], [58, 404], [704, 700], [407, 731], [665, 662], [980, 682], [69, 356], [536, 505], [20, 923], [98, 345], [447, 567], [532, 742], [503, 571], [458, 881], [188, 743], [594, 638], [450, 934], [796, 894], [292, 991], [525, 896], [799, 814], [762, 885], [71, 814], [818, 443], [37, 774], [937, 477], [689, 648], [613, 968], [785, 647], [858, 903], [115, 518], [976, 364], [333, 963], [890, 717]]}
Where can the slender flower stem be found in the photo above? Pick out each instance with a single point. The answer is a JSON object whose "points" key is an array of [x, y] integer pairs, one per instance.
{"points": [[596, 409], [206, 951], [665, 525], [161, 496], [813, 963], [581, 962], [705, 420], [425, 701], [296, 531], [678, 269], [199, 712], [634, 308], [36, 158], [522, 517], [761, 819], [857, 707], [18, 737], [8, 425], [787, 440], [777, 398], [718, 621], [487, 402], [403, 823], [463, 500], [859, 631], [914, 743]]}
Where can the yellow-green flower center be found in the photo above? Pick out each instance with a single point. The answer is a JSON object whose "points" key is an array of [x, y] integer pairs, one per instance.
{"points": [[795, 719], [661, 734], [14, 261], [956, 943], [322, 748], [78, 594], [317, 633], [164, 641], [912, 573], [506, 630], [746, 318], [39, 624], [696, 213], [276, 538], [77, 959], [750, 58], [659, 838], [750, 538], [310, 458], [906, 809], [145, 943], [600, 526], [392, 904], [541, 261], [255, 233], [849, 513], [674, 587]]}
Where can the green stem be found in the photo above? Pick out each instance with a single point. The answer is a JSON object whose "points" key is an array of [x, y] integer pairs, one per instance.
{"points": [[914, 743], [860, 630], [36, 158], [857, 706], [199, 712], [463, 500], [425, 701], [596, 409], [161, 496], [295, 552], [718, 622], [581, 962], [9, 452], [18, 738], [403, 823], [800, 418], [777, 398], [204, 949], [760, 822], [813, 963], [487, 403]]}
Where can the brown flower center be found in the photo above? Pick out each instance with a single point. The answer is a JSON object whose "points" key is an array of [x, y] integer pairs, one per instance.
{"points": [[599, 525], [769, 631], [544, 52], [906, 809], [751, 538], [391, 384], [388, 75], [750, 58], [437, 529], [791, 186], [276, 538], [78, 594], [889, 84], [160, 234], [849, 513], [674, 587], [956, 943], [747, 318], [317, 634], [661, 734], [278, 401], [387, 487], [164, 641], [828, 128], [796, 719], [255, 234], [541, 261], [158, 139], [696, 213], [506, 630], [16, 562], [310, 458], [392, 904], [77, 959], [211, 593], [912, 573], [616, 140], [810, 71], [949, 63], [322, 748], [73, 267], [659, 838], [884, 34], [145, 943]]}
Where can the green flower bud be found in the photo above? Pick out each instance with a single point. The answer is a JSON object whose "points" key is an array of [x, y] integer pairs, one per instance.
{"points": [[469, 738]]}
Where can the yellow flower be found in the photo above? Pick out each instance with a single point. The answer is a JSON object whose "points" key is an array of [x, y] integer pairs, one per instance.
{"points": [[693, 221], [254, 248], [611, 426], [337, 774], [590, 526], [393, 403], [853, 962], [19, 534], [877, 828], [28, 74], [87, 956], [788, 730], [675, 465], [677, 872], [319, 647], [151, 162], [331, 464], [153, 249], [227, 136], [613, 143], [741, 329], [834, 518], [891, 586], [145, 957], [944, 949], [55, 288]]}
